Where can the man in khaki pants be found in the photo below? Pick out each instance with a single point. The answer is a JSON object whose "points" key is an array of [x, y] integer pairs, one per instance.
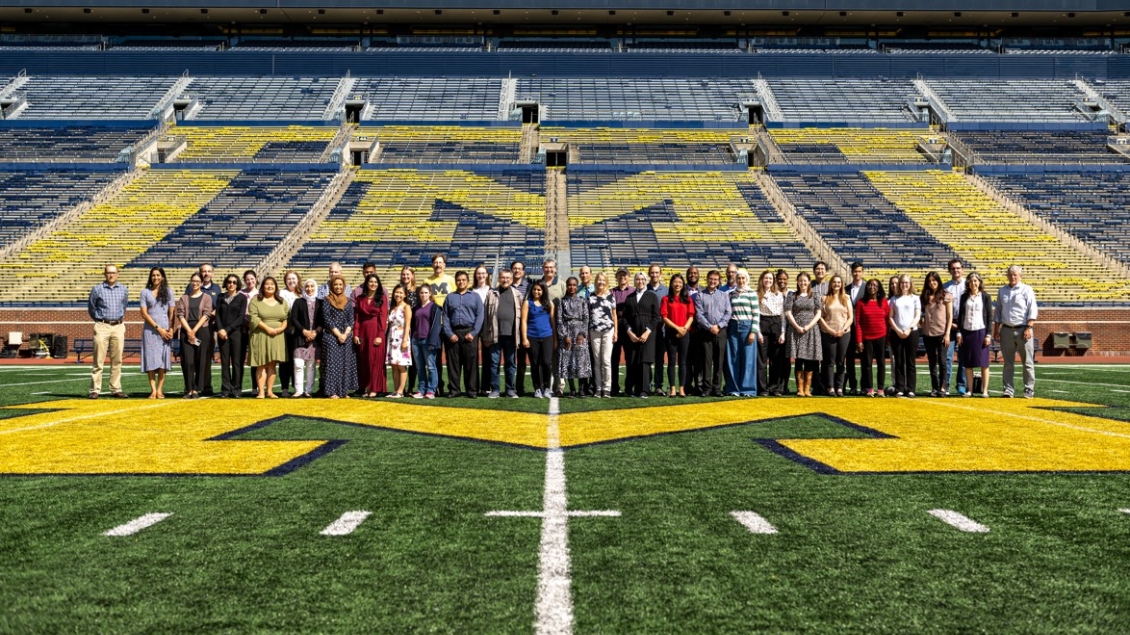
{"points": [[107, 307]]}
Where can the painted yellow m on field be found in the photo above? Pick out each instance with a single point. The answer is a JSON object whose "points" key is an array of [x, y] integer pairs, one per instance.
{"points": [[103, 437]]}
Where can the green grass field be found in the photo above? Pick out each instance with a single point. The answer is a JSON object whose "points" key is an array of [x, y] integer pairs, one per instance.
{"points": [[853, 553]]}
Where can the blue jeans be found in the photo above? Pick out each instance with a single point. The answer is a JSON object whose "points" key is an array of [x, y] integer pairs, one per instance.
{"points": [[960, 386], [424, 359], [741, 360], [504, 350]]}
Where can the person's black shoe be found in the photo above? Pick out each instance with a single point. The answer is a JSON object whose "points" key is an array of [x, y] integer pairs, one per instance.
{"points": [[472, 395], [453, 395]]}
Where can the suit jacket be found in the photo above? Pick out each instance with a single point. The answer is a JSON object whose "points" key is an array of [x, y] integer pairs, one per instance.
{"points": [[230, 316], [643, 315]]}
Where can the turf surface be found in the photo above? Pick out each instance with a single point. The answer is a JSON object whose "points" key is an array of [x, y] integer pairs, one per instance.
{"points": [[855, 554]]}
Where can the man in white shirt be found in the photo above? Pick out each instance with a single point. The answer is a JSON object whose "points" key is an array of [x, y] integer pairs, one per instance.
{"points": [[1013, 323], [956, 288]]}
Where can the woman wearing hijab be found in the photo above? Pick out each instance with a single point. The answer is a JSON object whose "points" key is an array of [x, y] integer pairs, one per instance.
{"points": [[336, 320], [304, 322], [370, 321]]}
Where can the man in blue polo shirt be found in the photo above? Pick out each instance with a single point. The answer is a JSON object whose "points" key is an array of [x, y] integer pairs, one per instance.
{"points": [[107, 307]]}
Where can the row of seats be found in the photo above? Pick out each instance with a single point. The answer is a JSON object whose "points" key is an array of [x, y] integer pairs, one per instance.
{"points": [[270, 144], [876, 100], [445, 144], [430, 98], [1024, 100], [242, 224], [625, 146], [851, 145], [262, 98], [677, 219], [64, 264], [669, 98], [1091, 206], [990, 237], [404, 216], [29, 200], [1024, 147], [861, 225], [67, 143], [486, 98]]}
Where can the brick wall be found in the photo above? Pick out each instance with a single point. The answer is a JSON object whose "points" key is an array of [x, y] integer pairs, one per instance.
{"points": [[1110, 328]]}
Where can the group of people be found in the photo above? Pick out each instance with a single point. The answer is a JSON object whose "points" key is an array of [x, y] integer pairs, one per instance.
{"points": [[740, 338]]}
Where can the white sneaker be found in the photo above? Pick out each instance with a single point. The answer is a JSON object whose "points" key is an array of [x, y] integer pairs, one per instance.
{"points": [[493, 395], [537, 394]]}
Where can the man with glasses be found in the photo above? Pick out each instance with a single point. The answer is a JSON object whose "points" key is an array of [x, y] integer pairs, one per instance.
{"points": [[107, 307], [956, 288], [1013, 327], [213, 291]]}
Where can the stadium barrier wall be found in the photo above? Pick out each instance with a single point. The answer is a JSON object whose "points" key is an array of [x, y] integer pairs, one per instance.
{"points": [[250, 167], [56, 166], [636, 168], [850, 168], [1048, 168], [1049, 126], [481, 64]]}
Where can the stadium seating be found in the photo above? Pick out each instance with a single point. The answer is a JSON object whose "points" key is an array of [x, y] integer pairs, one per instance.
{"points": [[660, 99], [860, 224], [242, 224], [1018, 100], [1092, 206], [676, 219], [990, 238], [623, 146], [291, 144], [430, 98], [57, 97], [65, 264], [445, 144], [1023, 147], [401, 216], [67, 144], [262, 98], [29, 200], [843, 100], [850, 145]]}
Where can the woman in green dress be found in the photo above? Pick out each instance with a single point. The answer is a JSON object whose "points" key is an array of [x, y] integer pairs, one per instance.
{"points": [[267, 315]]}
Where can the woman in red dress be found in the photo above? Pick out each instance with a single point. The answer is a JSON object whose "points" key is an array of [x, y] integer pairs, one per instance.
{"points": [[369, 324]]}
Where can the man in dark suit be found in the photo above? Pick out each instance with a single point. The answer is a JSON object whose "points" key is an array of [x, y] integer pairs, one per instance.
{"points": [[641, 313]]}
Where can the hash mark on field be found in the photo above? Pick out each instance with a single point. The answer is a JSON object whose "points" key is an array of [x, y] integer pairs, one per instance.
{"points": [[346, 524], [572, 514], [754, 522], [958, 521], [136, 525], [1125, 511]]}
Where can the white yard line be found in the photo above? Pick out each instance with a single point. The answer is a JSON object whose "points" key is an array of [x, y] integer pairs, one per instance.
{"points": [[90, 416], [754, 522], [136, 525], [1037, 420], [554, 609], [1079, 383], [345, 525], [958, 521]]}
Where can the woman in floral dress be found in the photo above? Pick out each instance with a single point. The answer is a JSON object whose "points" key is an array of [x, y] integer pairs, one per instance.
{"points": [[572, 337], [399, 344]]}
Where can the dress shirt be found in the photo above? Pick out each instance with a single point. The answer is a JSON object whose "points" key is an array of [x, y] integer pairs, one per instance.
{"points": [[955, 289], [853, 291], [712, 309], [108, 304], [974, 313], [462, 310], [773, 304], [820, 289], [660, 290], [1015, 305]]}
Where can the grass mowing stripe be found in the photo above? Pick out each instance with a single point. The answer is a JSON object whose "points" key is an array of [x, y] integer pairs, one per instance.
{"points": [[959, 521], [345, 525], [136, 525], [754, 522]]}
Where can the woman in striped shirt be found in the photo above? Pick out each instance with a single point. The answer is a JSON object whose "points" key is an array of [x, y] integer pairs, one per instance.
{"points": [[742, 337]]}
